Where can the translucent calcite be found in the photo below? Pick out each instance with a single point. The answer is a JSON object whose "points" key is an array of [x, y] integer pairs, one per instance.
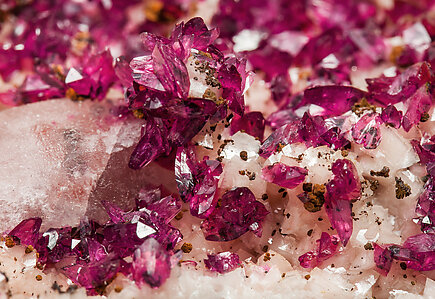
{"points": [[59, 159]]}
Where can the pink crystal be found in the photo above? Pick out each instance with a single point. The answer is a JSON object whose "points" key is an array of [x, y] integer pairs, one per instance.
{"points": [[251, 123], [238, 213], [170, 70], [425, 208], [97, 76], [314, 132], [93, 276], [339, 214], [188, 119], [280, 89], [326, 248], [282, 136], [54, 245], [336, 100], [343, 188], [116, 215], [27, 231], [197, 181], [391, 90], [284, 175], [392, 116], [151, 264], [419, 103], [383, 259], [308, 260], [222, 262], [152, 144], [35, 88], [204, 198], [419, 252], [166, 207], [186, 169], [310, 130], [367, 131], [345, 184], [280, 118]]}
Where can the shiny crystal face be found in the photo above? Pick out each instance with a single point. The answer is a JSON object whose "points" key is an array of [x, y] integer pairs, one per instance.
{"points": [[265, 148]]}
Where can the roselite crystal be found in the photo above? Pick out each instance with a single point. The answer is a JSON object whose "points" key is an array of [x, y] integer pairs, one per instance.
{"points": [[162, 88], [94, 276], [417, 251], [419, 103], [391, 116], [341, 190], [222, 262], [251, 123], [282, 136], [345, 184], [391, 90], [326, 247], [383, 259], [151, 264], [54, 245], [27, 231], [335, 100], [283, 175], [197, 181], [367, 131], [425, 208], [238, 213], [152, 144], [98, 250]]}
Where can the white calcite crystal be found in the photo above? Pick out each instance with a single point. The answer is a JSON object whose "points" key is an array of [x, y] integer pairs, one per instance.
{"points": [[60, 158]]}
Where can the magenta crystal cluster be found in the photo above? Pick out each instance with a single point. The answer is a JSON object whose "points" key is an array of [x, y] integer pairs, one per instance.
{"points": [[62, 44], [95, 253], [176, 83], [161, 88], [237, 213]]}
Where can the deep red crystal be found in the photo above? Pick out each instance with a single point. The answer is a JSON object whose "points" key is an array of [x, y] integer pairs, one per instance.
{"points": [[238, 213]]}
